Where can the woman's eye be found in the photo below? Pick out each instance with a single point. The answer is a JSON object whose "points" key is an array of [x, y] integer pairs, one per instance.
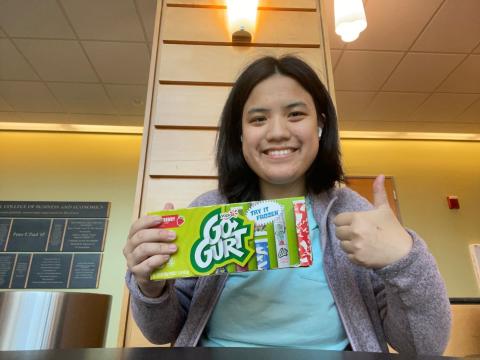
{"points": [[296, 114], [257, 120]]}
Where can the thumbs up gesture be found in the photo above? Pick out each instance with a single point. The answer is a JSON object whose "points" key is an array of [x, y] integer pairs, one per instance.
{"points": [[374, 238]]}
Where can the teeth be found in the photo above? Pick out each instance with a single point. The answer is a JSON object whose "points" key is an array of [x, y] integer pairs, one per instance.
{"points": [[280, 152]]}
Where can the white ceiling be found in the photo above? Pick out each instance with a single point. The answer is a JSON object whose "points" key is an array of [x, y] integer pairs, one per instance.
{"points": [[56, 61], [415, 68]]}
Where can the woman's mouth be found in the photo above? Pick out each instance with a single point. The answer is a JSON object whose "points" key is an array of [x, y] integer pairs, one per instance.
{"points": [[279, 153]]}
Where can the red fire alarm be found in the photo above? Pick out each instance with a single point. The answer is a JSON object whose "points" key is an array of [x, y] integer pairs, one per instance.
{"points": [[453, 202]]}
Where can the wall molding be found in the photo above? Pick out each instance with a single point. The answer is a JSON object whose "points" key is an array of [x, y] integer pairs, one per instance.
{"points": [[75, 128], [138, 130]]}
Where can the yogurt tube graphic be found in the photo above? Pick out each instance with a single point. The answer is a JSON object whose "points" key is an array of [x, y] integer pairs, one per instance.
{"points": [[303, 235], [281, 241], [261, 249]]}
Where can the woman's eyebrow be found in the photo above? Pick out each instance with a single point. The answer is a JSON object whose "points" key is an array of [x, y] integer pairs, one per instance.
{"points": [[254, 110], [265, 110], [295, 104]]}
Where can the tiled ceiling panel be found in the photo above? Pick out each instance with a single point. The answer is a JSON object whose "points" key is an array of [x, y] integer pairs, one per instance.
{"points": [[351, 105], [57, 60], [422, 71], [466, 78], [128, 99], [29, 96], [394, 25], [472, 114], [40, 42], [364, 70], [49, 118], [394, 106], [4, 106], [105, 19], [415, 68], [133, 67], [444, 107], [146, 9], [12, 64], [34, 19], [335, 55], [82, 98], [455, 28], [436, 83], [10, 116], [119, 120]]}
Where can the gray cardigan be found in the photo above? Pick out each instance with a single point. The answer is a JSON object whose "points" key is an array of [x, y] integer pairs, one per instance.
{"points": [[404, 304]]}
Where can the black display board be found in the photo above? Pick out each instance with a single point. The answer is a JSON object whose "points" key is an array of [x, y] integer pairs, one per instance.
{"points": [[51, 244]]}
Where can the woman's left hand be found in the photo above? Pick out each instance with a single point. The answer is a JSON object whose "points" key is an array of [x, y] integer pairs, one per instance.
{"points": [[374, 238]]}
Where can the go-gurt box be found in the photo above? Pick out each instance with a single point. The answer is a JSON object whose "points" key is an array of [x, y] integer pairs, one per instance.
{"points": [[248, 236]]}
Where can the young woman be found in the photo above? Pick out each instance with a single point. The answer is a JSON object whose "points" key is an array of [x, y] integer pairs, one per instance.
{"points": [[372, 282]]}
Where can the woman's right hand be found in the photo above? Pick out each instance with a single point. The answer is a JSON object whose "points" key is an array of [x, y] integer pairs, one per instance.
{"points": [[148, 248]]}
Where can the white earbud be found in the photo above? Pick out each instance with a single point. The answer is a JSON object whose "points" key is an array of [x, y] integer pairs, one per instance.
{"points": [[241, 138], [319, 132]]}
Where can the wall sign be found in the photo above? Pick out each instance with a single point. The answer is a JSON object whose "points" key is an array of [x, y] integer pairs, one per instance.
{"points": [[51, 244]]}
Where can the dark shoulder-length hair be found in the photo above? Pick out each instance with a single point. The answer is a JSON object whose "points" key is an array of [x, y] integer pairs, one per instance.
{"points": [[236, 181]]}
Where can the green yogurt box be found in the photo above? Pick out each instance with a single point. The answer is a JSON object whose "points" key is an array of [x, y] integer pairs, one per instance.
{"points": [[248, 236]]}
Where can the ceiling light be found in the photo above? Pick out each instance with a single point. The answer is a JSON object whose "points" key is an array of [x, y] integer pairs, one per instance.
{"points": [[350, 19], [242, 16]]}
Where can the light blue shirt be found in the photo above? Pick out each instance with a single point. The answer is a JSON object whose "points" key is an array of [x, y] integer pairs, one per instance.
{"points": [[284, 307]]}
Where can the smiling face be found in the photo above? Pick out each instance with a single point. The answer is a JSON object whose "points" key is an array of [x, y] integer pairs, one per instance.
{"points": [[280, 135]]}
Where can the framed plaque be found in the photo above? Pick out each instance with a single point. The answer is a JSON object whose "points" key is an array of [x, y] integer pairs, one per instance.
{"points": [[51, 244]]}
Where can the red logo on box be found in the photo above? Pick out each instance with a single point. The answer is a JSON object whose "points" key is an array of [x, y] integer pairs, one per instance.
{"points": [[171, 221]]}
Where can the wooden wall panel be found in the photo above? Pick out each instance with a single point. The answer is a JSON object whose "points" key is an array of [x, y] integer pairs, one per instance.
{"points": [[221, 64], [290, 4], [465, 334], [210, 25], [180, 192], [191, 50], [183, 105], [182, 153]]}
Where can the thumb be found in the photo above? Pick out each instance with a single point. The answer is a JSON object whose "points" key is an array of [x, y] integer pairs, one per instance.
{"points": [[379, 194], [168, 206]]}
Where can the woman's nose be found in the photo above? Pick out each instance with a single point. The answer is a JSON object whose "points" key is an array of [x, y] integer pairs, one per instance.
{"points": [[277, 129]]}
